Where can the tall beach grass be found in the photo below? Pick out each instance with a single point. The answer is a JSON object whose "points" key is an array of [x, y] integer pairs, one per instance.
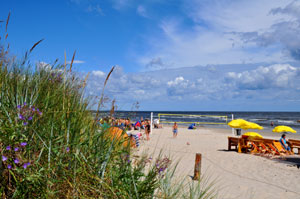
{"points": [[52, 147]]}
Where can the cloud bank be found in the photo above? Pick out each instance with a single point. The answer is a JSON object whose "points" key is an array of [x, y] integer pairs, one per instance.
{"points": [[203, 85]]}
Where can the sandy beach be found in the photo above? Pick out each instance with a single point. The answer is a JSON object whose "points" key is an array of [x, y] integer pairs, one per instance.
{"points": [[236, 175]]}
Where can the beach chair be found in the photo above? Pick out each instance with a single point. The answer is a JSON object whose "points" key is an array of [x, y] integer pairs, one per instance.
{"points": [[280, 148], [255, 148], [294, 144], [265, 149], [273, 150], [260, 148], [233, 141]]}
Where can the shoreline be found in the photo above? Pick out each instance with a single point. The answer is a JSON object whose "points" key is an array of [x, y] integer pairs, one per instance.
{"points": [[266, 132]]}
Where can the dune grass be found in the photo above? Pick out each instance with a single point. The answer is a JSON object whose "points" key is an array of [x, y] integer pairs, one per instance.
{"points": [[51, 145]]}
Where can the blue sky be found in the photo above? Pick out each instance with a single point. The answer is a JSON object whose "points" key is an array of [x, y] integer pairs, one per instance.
{"points": [[210, 55]]}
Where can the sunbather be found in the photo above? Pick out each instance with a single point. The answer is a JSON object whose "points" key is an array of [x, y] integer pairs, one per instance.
{"points": [[283, 142]]}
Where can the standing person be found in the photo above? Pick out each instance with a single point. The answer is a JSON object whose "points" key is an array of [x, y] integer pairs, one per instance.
{"points": [[175, 130], [147, 130]]}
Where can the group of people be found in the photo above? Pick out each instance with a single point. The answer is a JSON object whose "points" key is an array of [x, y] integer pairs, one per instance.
{"points": [[127, 124]]}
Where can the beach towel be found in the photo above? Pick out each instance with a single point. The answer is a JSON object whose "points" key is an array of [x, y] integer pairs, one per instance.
{"points": [[137, 142]]}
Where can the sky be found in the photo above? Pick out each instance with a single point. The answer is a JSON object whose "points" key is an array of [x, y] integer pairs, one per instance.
{"points": [[169, 55]]}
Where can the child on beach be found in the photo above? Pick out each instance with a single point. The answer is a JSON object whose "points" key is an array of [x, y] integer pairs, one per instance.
{"points": [[175, 129]]}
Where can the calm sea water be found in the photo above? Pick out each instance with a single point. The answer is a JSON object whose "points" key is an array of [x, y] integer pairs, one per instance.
{"points": [[262, 118]]}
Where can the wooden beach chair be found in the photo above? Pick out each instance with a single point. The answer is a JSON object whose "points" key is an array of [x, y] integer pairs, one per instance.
{"points": [[260, 148], [294, 144], [233, 141], [244, 145], [280, 148], [255, 148], [265, 149], [273, 150]]}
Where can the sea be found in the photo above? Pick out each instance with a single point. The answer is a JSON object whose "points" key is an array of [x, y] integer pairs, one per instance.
{"points": [[213, 118]]}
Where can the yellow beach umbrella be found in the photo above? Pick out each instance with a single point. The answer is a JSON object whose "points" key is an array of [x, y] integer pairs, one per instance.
{"points": [[238, 123], [253, 135], [243, 124], [252, 125], [280, 129]]}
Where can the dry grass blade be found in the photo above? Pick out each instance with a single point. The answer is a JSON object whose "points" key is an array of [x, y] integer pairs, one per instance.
{"points": [[37, 43], [112, 69], [101, 99], [6, 36], [7, 20], [112, 110], [65, 65], [85, 79], [72, 60]]}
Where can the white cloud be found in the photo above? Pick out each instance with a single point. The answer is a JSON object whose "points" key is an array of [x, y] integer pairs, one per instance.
{"points": [[282, 76], [141, 10], [120, 4], [178, 80], [239, 16], [277, 82], [95, 8], [44, 66], [98, 73], [214, 37], [76, 62], [284, 33]]}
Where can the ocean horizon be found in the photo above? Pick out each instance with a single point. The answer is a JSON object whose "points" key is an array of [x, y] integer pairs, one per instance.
{"points": [[215, 118]]}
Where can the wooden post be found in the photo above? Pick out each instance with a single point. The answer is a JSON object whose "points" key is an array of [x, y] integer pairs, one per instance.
{"points": [[197, 170]]}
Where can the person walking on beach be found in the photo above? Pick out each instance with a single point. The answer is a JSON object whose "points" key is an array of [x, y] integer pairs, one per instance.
{"points": [[147, 130], [175, 130]]}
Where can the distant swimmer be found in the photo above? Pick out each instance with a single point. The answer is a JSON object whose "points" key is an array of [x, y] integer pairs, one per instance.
{"points": [[272, 123]]}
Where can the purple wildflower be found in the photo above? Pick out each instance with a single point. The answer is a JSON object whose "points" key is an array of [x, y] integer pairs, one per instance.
{"points": [[19, 106], [9, 166], [17, 149], [67, 149], [21, 117], [128, 161], [30, 118], [4, 158], [16, 161], [26, 165], [24, 103], [40, 113], [23, 143], [25, 123], [33, 109], [8, 148]]}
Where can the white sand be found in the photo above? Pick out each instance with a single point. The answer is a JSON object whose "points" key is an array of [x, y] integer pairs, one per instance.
{"points": [[238, 175]]}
